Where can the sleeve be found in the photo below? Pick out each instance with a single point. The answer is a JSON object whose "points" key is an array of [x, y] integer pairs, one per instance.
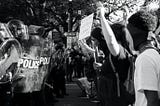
{"points": [[122, 52], [146, 74]]}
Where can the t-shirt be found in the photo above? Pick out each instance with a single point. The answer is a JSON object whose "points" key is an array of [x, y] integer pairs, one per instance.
{"points": [[121, 64], [147, 75]]}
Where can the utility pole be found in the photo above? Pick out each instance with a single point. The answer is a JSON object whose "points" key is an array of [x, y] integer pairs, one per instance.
{"points": [[70, 11]]}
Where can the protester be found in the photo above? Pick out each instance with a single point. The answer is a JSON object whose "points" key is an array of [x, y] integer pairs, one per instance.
{"points": [[58, 71], [49, 83], [141, 25], [101, 82], [87, 82], [114, 70], [69, 68], [76, 55]]}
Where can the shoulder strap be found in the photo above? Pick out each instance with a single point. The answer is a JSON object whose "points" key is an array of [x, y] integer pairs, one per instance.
{"points": [[112, 65], [117, 76], [150, 47], [129, 83]]}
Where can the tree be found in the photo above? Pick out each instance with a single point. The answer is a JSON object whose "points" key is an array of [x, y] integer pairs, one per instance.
{"points": [[38, 12], [54, 13]]}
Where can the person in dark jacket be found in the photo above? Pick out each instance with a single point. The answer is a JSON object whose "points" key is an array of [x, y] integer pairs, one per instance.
{"points": [[117, 47]]}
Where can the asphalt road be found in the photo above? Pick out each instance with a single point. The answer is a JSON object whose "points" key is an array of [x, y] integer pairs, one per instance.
{"points": [[73, 99]]}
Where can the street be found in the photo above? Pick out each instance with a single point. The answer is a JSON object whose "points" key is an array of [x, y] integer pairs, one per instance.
{"points": [[73, 100]]}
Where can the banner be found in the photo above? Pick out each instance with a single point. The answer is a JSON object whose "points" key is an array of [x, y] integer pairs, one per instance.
{"points": [[86, 26]]}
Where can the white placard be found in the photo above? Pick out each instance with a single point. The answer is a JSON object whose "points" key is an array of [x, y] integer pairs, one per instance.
{"points": [[85, 28]]}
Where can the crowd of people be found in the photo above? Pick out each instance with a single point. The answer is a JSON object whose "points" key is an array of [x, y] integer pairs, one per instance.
{"points": [[131, 50], [118, 65]]}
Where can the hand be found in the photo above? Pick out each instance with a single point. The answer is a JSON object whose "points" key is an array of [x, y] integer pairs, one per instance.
{"points": [[6, 77], [126, 12], [86, 48], [96, 65], [99, 4], [101, 11]]}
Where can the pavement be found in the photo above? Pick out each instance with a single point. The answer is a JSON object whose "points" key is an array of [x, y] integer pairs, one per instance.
{"points": [[73, 98]]}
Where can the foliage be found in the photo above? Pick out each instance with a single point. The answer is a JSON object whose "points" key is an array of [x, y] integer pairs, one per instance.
{"points": [[39, 12], [53, 14]]}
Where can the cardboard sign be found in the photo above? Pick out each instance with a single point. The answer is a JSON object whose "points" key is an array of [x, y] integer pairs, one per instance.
{"points": [[85, 28]]}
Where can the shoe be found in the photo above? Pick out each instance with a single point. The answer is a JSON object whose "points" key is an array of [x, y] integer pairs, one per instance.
{"points": [[95, 100]]}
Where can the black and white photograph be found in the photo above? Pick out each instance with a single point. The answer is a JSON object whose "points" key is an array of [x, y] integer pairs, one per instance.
{"points": [[79, 52]]}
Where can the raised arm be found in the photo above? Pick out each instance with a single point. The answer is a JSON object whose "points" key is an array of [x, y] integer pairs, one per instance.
{"points": [[109, 36], [85, 47]]}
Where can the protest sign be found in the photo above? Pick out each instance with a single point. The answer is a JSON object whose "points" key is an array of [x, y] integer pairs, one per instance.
{"points": [[85, 28]]}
